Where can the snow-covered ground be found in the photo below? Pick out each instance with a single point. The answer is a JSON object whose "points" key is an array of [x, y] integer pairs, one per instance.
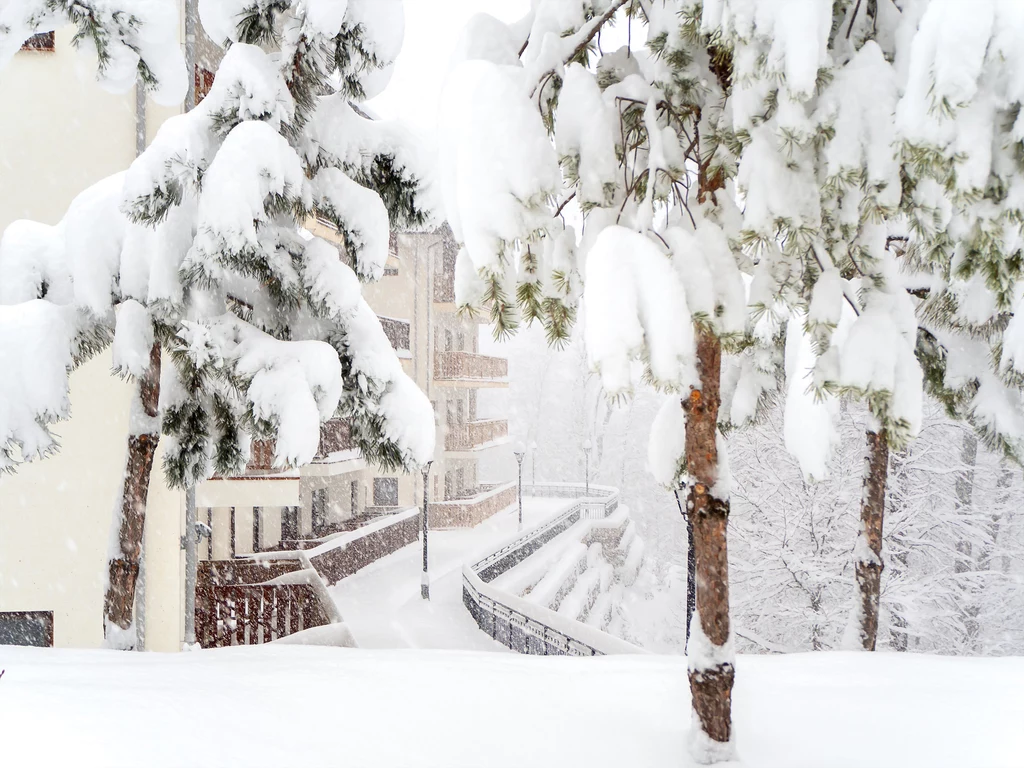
{"points": [[280, 706], [381, 604]]}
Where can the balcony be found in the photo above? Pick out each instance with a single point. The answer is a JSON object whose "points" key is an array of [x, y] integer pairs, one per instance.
{"points": [[475, 434], [397, 332], [335, 437], [470, 370]]}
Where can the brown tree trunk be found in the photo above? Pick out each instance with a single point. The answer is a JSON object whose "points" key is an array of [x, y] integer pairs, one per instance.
{"points": [[869, 546], [130, 514], [710, 680]]}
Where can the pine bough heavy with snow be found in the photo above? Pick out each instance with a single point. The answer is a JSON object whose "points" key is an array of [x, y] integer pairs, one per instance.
{"points": [[843, 178], [197, 256]]}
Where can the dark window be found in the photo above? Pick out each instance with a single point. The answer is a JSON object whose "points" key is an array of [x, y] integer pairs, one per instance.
{"points": [[319, 511], [27, 628], [393, 244], [354, 500], [390, 271], [257, 543], [44, 41], [290, 523], [385, 491], [234, 545]]}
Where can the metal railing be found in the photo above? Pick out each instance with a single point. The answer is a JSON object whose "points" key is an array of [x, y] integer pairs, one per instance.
{"points": [[527, 627]]}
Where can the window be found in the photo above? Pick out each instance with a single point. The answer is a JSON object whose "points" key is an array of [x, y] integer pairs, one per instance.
{"points": [[390, 271], [44, 41], [319, 511], [257, 543], [289, 523], [354, 498], [385, 491], [27, 628]]}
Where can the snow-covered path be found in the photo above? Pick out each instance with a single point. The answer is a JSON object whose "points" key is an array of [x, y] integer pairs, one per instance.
{"points": [[381, 604], [279, 706]]}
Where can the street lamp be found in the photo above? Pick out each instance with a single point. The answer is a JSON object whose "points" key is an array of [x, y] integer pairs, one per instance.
{"points": [[425, 580], [519, 460], [587, 447], [691, 560]]}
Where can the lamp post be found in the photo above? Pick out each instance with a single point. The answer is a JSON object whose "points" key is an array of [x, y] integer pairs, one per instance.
{"points": [[519, 460], [691, 561], [189, 543], [425, 580], [587, 446]]}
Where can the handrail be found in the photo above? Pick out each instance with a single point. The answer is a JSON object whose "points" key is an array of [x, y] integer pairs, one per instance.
{"points": [[526, 627]]}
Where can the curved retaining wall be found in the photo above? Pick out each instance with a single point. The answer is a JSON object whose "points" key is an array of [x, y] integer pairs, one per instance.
{"points": [[526, 627]]}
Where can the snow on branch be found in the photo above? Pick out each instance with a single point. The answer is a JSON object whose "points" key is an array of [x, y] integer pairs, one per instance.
{"points": [[129, 39], [36, 339]]}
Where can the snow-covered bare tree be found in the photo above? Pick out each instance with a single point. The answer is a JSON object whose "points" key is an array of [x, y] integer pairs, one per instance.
{"points": [[200, 249]]}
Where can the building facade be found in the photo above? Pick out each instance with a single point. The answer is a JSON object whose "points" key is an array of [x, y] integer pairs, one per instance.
{"points": [[63, 133]]}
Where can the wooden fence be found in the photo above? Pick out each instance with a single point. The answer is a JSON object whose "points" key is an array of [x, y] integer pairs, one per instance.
{"points": [[234, 608]]}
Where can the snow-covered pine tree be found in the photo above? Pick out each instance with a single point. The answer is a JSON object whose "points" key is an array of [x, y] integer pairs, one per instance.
{"points": [[789, 108], [632, 132], [857, 139], [204, 245], [41, 342]]}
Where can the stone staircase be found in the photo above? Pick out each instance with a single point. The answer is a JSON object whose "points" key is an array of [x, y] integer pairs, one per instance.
{"points": [[578, 574]]}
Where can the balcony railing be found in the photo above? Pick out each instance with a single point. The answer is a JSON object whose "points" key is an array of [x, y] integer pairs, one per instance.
{"points": [[397, 332], [474, 434], [469, 367], [335, 435]]}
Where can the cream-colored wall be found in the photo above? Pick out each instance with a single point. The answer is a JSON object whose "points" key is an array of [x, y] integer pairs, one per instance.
{"points": [[55, 514], [59, 134]]}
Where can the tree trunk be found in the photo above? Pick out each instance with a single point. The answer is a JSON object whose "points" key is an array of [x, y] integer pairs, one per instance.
{"points": [[711, 668], [869, 544], [964, 563], [899, 552], [130, 510]]}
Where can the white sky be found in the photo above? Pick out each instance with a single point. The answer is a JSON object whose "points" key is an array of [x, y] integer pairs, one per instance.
{"points": [[432, 28]]}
